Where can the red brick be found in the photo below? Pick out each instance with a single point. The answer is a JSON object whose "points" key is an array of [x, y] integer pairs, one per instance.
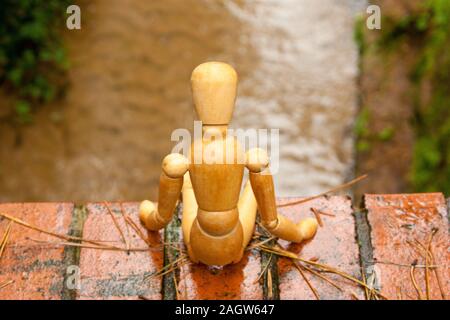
{"points": [[237, 281], [334, 245], [37, 269], [234, 281], [398, 219], [117, 274]]}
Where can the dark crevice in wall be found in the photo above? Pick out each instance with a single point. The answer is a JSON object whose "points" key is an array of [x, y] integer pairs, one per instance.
{"points": [[171, 235], [270, 277], [363, 231]]}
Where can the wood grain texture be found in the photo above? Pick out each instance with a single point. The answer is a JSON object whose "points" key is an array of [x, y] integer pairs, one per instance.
{"points": [[214, 86]]}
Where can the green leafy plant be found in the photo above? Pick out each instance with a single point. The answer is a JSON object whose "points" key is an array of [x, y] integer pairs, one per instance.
{"points": [[32, 58]]}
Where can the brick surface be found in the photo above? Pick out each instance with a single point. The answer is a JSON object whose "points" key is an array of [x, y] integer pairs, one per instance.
{"points": [[396, 221], [37, 269], [117, 274], [235, 281], [334, 245]]}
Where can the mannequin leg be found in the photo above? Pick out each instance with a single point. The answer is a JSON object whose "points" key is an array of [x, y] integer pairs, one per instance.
{"points": [[189, 214], [247, 208]]}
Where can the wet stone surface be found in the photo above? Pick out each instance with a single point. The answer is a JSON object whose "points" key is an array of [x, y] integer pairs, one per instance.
{"points": [[334, 245], [297, 65], [109, 274], [37, 264], [398, 223], [235, 281], [37, 269]]}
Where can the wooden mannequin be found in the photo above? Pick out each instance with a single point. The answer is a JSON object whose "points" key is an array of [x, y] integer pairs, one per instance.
{"points": [[217, 224]]}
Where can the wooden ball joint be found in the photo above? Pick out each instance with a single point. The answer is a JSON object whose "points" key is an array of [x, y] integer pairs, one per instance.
{"points": [[217, 221]]}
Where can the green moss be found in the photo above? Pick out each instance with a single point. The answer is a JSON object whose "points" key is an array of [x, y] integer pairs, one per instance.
{"points": [[364, 136], [358, 35], [386, 134], [361, 130], [431, 161]]}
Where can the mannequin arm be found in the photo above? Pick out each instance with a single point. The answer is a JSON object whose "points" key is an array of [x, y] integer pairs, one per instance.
{"points": [[262, 185], [170, 183]]}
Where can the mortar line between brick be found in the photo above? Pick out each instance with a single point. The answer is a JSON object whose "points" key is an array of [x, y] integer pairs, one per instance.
{"points": [[72, 254], [273, 267], [171, 235], [363, 232]]}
